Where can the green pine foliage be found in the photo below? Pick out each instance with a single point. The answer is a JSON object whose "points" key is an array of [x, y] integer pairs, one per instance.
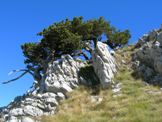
{"points": [[117, 38], [72, 37]]}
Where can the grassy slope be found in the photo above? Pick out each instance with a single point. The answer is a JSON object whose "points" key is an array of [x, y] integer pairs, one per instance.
{"points": [[137, 102]]}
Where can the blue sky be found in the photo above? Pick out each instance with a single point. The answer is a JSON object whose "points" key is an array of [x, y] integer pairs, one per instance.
{"points": [[21, 20]]}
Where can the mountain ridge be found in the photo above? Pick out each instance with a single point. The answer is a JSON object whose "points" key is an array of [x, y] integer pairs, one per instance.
{"points": [[134, 67]]}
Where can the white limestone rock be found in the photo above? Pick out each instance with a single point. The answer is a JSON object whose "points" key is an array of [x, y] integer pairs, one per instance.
{"points": [[27, 119], [104, 64], [149, 56], [16, 112], [96, 99], [62, 76], [13, 119], [32, 111], [159, 38], [21, 119], [152, 35]]}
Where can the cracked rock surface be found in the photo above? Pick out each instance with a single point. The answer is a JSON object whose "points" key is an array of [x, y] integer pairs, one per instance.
{"points": [[148, 57], [62, 76]]}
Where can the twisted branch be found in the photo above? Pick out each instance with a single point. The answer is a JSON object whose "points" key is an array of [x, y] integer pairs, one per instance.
{"points": [[25, 71]]}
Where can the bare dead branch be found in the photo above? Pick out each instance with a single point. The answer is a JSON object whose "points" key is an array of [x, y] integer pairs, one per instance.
{"points": [[17, 70], [6, 82]]}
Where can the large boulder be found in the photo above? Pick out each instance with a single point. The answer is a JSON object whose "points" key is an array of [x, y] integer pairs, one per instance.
{"points": [[104, 64], [62, 76], [149, 58]]}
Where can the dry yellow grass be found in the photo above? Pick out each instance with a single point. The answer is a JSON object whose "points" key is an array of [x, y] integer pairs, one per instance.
{"points": [[134, 104], [137, 102]]}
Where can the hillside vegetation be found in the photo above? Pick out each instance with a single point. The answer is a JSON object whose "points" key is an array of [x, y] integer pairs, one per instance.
{"points": [[136, 101]]}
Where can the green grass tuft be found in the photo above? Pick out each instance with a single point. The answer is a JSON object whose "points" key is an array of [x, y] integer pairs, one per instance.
{"points": [[137, 102], [134, 104]]}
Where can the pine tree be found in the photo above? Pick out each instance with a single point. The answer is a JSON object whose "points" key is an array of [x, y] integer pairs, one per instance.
{"points": [[73, 37]]}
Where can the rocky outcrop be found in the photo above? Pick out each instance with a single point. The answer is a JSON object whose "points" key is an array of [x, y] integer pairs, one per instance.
{"points": [[148, 57], [104, 64], [62, 77]]}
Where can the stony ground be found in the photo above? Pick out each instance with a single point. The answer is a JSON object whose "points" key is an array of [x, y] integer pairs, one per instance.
{"points": [[129, 100]]}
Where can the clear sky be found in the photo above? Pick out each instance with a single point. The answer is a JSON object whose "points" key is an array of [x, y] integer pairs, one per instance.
{"points": [[20, 20]]}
